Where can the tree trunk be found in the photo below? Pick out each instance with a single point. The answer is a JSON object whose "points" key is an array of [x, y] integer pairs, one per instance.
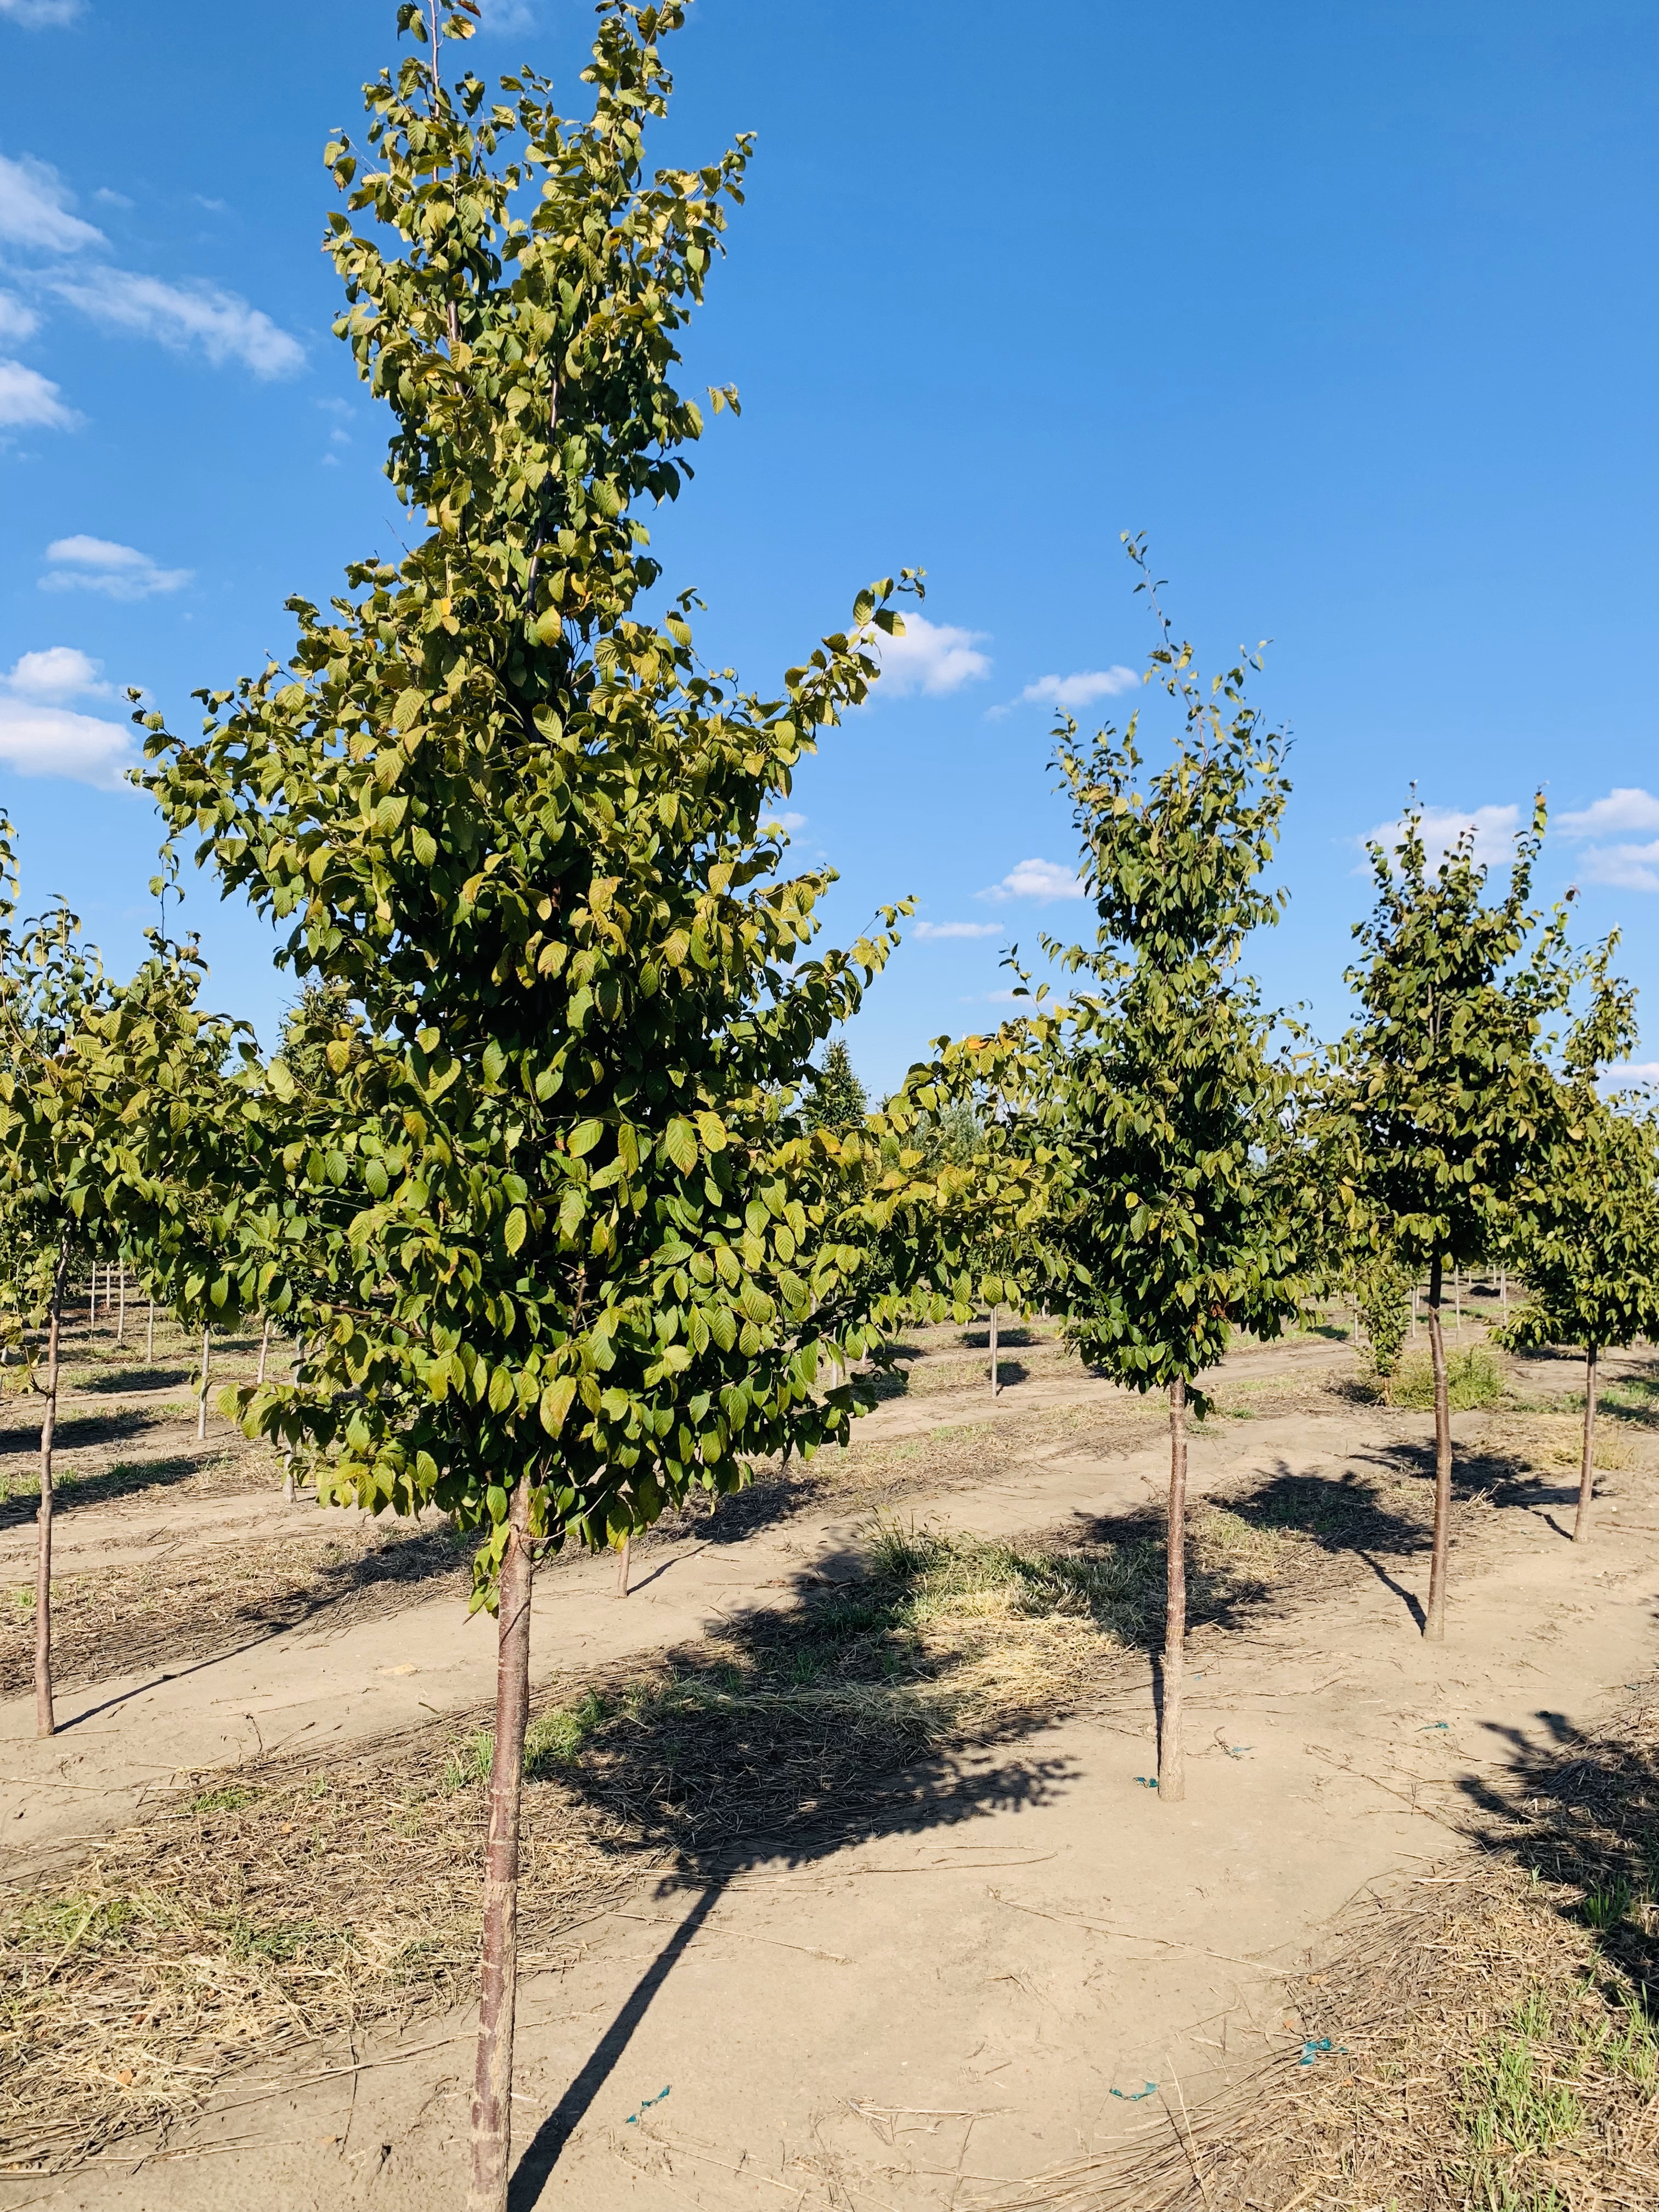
{"points": [[1587, 1465], [265, 1347], [1457, 1298], [624, 1559], [1434, 1625], [1172, 1762], [492, 2093], [92, 1305], [287, 1477], [993, 1352], [1413, 1309], [149, 1338], [121, 1302], [45, 1720], [201, 1409]]}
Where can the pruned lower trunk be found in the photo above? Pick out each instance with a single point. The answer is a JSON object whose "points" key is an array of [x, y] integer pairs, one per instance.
{"points": [[150, 1336], [1434, 1622], [994, 1353], [265, 1349], [492, 2093], [1172, 1762], [624, 1561], [45, 1719], [1587, 1465], [201, 1408]]}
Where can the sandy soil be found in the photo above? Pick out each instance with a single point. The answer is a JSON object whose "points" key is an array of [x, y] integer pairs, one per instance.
{"points": [[1031, 1958]]}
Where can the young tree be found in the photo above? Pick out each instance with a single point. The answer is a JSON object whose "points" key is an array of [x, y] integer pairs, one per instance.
{"points": [[554, 1241], [1586, 1235], [1175, 1219], [836, 1099], [107, 1092], [1449, 1102]]}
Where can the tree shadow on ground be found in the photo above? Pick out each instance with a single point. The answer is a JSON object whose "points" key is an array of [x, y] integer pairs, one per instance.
{"points": [[86, 1431], [73, 1488], [118, 1379], [1581, 1812], [98, 1636]]}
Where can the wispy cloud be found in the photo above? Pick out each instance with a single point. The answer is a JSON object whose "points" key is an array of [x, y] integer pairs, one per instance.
{"points": [[18, 320], [41, 14], [1631, 1073], [98, 564], [1624, 811], [507, 16], [958, 929], [31, 401], [1624, 867], [34, 210], [1441, 827], [934, 658], [1037, 879], [1081, 689], [181, 316], [40, 736]]}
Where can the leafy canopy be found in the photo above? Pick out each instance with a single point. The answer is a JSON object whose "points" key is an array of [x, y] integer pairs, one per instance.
{"points": [[540, 1203], [1169, 1106], [1447, 1094]]}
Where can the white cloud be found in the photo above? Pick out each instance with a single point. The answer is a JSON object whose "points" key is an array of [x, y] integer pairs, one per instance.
{"points": [[1087, 685], [505, 15], [182, 315], [34, 209], [1625, 867], [1441, 827], [28, 398], [17, 322], [57, 672], [1622, 809], [958, 929], [106, 198], [931, 657], [41, 14], [1630, 1072], [41, 737], [98, 564], [1037, 879]]}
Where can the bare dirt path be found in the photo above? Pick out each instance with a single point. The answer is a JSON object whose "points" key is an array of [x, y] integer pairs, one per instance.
{"points": [[124, 1738], [1030, 1958]]}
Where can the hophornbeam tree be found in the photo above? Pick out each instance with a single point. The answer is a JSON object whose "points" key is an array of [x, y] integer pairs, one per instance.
{"points": [[1585, 1237], [1178, 1215], [555, 1242], [1444, 1083]]}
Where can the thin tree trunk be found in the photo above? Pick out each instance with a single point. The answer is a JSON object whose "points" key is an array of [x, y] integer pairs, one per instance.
{"points": [[624, 1561], [265, 1347], [45, 1720], [92, 1305], [121, 1302], [1414, 1309], [993, 1352], [1504, 1290], [1434, 1623], [1587, 1465], [287, 1477], [201, 1408], [492, 2094], [149, 1338], [1457, 1297], [1171, 1761]]}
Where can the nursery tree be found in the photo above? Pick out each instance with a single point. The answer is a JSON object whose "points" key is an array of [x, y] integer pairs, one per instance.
{"points": [[556, 1242], [1586, 1235], [1175, 1219], [836, 1099], [109, 1094], [1449, 1103]]}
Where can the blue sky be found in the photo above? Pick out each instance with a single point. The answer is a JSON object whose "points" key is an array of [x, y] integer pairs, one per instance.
{"points": [[1353, 310]]}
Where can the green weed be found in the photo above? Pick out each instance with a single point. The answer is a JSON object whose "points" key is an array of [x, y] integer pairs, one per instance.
{"points": [[231, 1799], [1473, 1380]]}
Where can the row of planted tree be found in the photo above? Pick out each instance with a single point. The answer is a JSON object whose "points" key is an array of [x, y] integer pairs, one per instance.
{"points": [[540, 1177]]}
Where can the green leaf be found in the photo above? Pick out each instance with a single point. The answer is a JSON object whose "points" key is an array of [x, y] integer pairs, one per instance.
{"points": [[556, 1402], [680, 1143], [512, 1232]]}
